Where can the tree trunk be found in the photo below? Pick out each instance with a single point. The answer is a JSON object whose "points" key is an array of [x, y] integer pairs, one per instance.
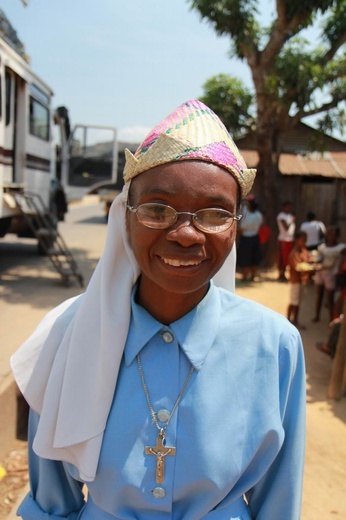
{"points": [[268, 180]]}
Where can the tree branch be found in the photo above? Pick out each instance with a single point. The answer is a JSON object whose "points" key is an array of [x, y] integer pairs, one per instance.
{"points": [[323, 108], [281, 33], [329, 55]]}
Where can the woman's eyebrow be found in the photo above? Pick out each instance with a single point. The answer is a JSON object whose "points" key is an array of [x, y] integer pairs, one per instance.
{"points": [[214, 199], [156, 191]]}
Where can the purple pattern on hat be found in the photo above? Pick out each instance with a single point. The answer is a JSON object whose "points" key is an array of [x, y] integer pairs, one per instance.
{"points": [[218, 153], [181, 116]]}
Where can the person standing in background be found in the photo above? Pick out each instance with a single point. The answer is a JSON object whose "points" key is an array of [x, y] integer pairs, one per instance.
{"points": [[286, 224], [249, 249], [298, 276], [315, 231], [331, 252]]}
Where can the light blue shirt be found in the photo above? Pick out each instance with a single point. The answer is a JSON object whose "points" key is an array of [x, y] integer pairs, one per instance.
{"points": [[238, 431]]}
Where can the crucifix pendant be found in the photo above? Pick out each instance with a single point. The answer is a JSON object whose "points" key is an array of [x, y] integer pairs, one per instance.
{"points": [[160, 451]]}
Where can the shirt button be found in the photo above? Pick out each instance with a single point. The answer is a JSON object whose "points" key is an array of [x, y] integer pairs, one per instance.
{"points": [[158, 492], [167, 336], [163, 415]]}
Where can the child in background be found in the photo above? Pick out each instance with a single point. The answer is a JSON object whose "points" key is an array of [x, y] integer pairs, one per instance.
{"points": [[331, 252], [299, 261], [329, 347]]}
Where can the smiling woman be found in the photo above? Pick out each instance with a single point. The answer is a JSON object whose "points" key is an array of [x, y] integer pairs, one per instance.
{"points": [[167, 396], [178, 259]]}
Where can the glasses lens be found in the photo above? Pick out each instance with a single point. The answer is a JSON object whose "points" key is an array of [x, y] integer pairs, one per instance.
{"points": [[213, 220], [156, 216]]}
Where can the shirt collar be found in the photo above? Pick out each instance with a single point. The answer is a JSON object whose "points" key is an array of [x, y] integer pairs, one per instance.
{"points": [[195, 332]]}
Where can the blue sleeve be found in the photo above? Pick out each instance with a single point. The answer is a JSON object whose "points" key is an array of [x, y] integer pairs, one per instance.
{"points": [[279, 492], [54, 494]]}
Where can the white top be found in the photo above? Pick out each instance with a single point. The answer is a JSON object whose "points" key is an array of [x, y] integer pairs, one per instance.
{"points": [[313, 231], [286, 235], [250, 223], [331, 256]]}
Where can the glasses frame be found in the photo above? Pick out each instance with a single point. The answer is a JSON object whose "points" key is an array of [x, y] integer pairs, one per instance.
{"points": [[191, 214]]}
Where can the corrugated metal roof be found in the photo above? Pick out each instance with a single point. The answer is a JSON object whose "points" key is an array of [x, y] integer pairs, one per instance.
{"points": [[328, 164]]}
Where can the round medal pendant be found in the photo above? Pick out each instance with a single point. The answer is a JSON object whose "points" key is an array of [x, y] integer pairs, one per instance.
{"points": [[163, 415]]}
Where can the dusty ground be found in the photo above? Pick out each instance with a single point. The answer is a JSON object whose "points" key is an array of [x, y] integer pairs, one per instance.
{"points": [[324, 495], [14, 473]]}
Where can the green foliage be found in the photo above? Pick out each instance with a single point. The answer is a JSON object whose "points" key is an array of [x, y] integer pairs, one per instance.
{"points": [[234, 17], [297, 73], [334, 28], [304, 8], [333, 120], [231, 101], [291, 78], [303, 82], [237, 18], [334, 75]]}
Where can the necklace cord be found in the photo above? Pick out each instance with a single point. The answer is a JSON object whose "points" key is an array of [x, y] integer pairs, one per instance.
{"points": [[161, 429]]}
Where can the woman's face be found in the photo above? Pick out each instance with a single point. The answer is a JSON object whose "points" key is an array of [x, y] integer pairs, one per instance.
{"points": [[181, 259]]}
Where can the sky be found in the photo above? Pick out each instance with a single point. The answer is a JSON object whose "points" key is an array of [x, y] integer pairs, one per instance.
{"points": [[122, 63]]}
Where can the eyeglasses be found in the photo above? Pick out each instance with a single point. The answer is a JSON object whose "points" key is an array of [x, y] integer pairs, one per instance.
{"points": [[160, 216]]}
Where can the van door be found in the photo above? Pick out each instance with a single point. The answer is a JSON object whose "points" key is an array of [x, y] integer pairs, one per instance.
{"points": [[14, 130], [9, 129], [92, 158]]}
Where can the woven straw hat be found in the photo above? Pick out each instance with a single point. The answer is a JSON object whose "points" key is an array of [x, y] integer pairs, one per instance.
{"points": [[192, 131]]}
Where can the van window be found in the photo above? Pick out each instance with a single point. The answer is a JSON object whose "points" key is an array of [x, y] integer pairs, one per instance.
{"points": [[39, 94], [38, 119]]}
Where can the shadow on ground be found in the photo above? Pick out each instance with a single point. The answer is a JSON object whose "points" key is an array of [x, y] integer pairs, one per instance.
{"points": [[23, 273]]}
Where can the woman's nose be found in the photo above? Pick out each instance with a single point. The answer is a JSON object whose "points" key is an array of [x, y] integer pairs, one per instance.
{"points": [[184, 232]]}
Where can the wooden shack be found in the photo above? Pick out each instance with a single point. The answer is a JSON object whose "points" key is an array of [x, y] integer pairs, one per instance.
{"points": [[313, 180]]}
